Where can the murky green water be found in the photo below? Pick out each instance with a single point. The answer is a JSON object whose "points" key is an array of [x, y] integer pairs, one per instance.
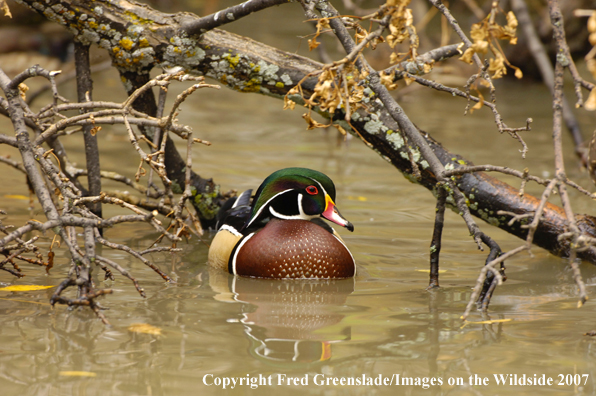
{"points": [[216, 327]]}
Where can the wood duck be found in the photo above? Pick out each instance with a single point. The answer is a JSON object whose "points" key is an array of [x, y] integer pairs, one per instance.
{"points": [[282, 234]]}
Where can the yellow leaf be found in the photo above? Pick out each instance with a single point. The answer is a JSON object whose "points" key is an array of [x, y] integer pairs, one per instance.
{"points": [[490, 321], [324, 23], [467, 56], [590, 104], [358, 198], [592, 23], [592, 38], [359, 36], [387, 80], [393, 58], [289, 103], [144, 328], [428, 271], [312, 124], [312, 44], [480, 47], [427, 68], [24, 288], [511, 20], [479, 31], [77, 374], [478, 105], [16, 196], [497, 66], [4, 7], [23, 90]]}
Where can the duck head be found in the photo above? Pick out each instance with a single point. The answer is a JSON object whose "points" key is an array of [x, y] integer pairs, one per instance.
{"points": [[296, 194]]}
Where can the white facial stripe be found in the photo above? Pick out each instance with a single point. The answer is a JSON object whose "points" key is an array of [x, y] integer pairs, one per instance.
{"points": [[322, 188], [265, 204], [238, 251], [300, 205], [301, 216]]}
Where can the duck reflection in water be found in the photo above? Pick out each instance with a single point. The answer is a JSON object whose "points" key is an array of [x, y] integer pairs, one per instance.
{"points": [[288, 321]]}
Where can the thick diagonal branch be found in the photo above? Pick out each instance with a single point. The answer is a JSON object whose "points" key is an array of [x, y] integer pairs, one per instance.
{"points": [[249, 66]]}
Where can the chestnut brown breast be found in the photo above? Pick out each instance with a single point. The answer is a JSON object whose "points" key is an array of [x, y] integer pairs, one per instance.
{"points": [[292, 249]]}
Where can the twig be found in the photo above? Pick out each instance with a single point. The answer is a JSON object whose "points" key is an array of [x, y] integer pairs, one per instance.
{"points": [[481, 278], [230, 14], [564, 60], [435, 244], [545, 67], [84, 93]]}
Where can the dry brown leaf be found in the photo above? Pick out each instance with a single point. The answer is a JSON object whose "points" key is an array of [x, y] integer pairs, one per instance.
{"points": [[312, 124], [484, 34], [393, 58], [360, 35], [468, 55], [4, 7], [590, 103], [356, 94], [497, 66], [324, 23], [518, 73], [479, 31], [23, 90], [478, 105], [387, 80], [289, 103]]}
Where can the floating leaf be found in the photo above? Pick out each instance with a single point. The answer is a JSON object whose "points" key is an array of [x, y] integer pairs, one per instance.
{"points": [[487, 321], [77, 374], [428, 271], [144, 328], [18, 288], [16, 196], [358, 198]]}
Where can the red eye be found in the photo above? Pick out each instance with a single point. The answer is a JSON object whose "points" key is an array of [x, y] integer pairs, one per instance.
{"points": [[312, 190]]}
